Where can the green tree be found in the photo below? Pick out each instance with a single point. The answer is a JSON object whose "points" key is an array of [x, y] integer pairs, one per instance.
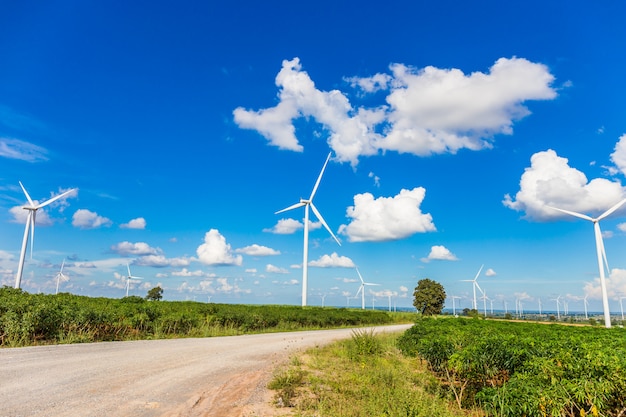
{"points": [[155, 294], [429, 297]]}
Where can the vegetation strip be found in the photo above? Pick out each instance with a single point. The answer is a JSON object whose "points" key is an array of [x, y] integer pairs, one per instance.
{"points": [[30, 319]]}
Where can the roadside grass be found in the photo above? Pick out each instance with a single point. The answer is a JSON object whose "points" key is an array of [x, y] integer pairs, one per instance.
{"points": [[364, 376]]}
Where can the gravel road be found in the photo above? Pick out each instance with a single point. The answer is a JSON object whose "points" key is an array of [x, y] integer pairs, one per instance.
{"points": [[219, 376]]}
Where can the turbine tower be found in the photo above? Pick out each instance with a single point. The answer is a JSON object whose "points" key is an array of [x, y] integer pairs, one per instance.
{"points": [[306, 204], [362, 290], [128, 278], [30, 226], [61, 276], [601, 254], [475, 285]]}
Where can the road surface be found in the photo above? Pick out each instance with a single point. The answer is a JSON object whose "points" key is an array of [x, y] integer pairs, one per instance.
{"points": [[219, 376]]}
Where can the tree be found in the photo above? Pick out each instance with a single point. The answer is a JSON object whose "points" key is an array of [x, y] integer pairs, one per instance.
{"points": [[429, 297], [155, 294]]}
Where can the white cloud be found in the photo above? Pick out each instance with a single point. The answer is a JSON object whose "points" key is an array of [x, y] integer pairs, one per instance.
{"points": [[134, 249], [215, 250], [275, 269], [444, 110], [387, 218], [24, 151], [187, 273], [138, 223], [376, 179], [86, 219], [440, 253], [257, 250], [427, 110], [550, 181], [333, 260], [160, 261], [286, 227], [490, 273], [618, 157], [615, 285]]}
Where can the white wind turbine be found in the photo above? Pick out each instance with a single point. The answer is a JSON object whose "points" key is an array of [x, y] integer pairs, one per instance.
{"points": [[362, 290], [485, 298], [128, 278], [30, 225], [601, 254], [306, 204], [621, 307], [586, 304], [454, 304], [61, 276], [558, 304], [475, 285]]}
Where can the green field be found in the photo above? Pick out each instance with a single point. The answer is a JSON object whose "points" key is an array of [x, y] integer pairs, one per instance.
{"points": [[30, 319]]}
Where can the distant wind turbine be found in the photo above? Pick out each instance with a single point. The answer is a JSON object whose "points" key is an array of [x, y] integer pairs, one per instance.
{"points": [[30, 226], [362, 290], [558, 305], [600, 252], [475, 285], [485, 298], [454, 304], [128, 278], [621, 307], [585, 303], [306, 204], [61, 276]]}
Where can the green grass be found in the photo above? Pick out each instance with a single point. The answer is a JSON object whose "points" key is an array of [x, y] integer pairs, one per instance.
{"points": [[365, 376]]}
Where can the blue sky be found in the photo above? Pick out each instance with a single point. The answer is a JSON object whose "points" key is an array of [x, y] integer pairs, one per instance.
{"points": [[184, 128]]}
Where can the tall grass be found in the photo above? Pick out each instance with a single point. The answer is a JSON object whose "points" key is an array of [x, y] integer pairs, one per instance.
{"points": [[363, 376]]}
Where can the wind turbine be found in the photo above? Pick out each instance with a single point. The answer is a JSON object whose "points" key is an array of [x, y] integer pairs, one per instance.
{"points": [[454, 304], [539, 300], [621, 307], [128, 278], [306, 204], [558, 304], [485, 298], [600, 252], [362, 290], [61, 276], [585, 303], [475, 285], [30, 225]]}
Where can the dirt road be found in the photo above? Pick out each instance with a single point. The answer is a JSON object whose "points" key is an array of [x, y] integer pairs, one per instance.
{"points": [[221, 376]]}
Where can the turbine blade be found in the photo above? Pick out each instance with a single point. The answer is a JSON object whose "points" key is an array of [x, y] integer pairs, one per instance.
{"points": [[55, 198], [128, 267], [317, 183], [370, 283], [611, 210], [600, 245], [572, 213], [294, 206], [360, 277], [478, 286], [481, 268], [27, 196], [321, 219], [357, 293], [62, 265]]}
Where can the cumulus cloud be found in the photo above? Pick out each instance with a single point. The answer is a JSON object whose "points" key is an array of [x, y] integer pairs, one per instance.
{"points": [[618, 157], [187, 273], [440, 253], [333, 261], [387, 218], [160, 261], [24, 151], [134, 249], [86, 219], [490, 273], [615, 285], [550, 181], [138, 223], [426, 111], [257, 250], [275, 269], [285, 227], [215, 250]]}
